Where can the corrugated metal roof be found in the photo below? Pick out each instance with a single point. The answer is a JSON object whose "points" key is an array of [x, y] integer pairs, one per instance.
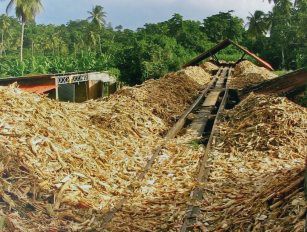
{"points": [[39, 89]]}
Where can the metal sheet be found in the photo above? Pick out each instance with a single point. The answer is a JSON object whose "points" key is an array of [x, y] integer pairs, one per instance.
{"points": [[283, 85], [261, 61], [39, 89]]}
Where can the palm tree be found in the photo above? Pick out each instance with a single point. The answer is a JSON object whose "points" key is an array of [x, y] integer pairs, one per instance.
{"points": [[277, 1], [25, 10], [257, 24], [97, 17]]}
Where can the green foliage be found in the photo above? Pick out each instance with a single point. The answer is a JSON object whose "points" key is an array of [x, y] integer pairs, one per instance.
{"points": [[229, 54], [97, 16], [195, 144], [280, 72], [258, 24], [223, 25], [286, 45], [56, 64], [303, 99], [155, 49]]}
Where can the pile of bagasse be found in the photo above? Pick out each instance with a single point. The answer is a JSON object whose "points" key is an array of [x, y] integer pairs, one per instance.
{"points": [[247, 74], [65, 165], [257, 168]]}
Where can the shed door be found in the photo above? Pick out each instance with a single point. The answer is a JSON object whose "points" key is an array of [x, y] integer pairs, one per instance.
{"points": [[67, 92]]}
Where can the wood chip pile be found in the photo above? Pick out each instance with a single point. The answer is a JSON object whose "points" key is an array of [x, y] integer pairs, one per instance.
{"points": [[247, 74], [255, 182], [209, 67], [64, 165]]}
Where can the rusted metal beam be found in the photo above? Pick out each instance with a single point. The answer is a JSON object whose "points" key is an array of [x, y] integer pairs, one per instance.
{"points": [[225, 43], [27, 81], [222, 45], [257, 58], [44, 82], [282, 86]]}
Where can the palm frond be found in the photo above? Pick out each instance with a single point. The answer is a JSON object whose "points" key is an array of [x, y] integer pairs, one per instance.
{"points": [[97, 16]]}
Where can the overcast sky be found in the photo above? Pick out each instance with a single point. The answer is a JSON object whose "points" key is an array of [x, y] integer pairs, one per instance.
{"points": [[135, 13]]}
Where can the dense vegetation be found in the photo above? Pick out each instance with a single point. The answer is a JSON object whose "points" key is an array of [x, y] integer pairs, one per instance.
{"points": [[151, 51]]}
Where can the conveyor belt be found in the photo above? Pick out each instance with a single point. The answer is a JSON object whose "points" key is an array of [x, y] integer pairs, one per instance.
{"points": [[216, 99], [212, 98], [203, 106]]}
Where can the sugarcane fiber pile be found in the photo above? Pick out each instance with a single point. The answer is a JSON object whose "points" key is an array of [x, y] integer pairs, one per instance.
{"points": [[195, 73], [268, 124], [247, 74], [168, 96], [160, 203], [64, 165], [209, 67], [279, 205], [255, 179], [60, 167]]}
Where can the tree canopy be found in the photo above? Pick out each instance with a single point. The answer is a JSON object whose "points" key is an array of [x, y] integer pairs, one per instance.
{"points": [[223, 25], [25, 10], [156, 48]]}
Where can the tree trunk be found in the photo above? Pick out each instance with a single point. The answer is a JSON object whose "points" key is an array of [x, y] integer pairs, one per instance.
{"points": [[282, 57], [21, 41], [75, 52], [100, 47], [32, 49], [2, 42]]}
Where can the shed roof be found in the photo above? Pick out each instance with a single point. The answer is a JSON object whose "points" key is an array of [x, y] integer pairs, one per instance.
{"points": [[45, 82], [39, 89]]}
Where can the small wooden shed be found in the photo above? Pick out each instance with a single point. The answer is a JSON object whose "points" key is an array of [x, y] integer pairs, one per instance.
{"points": [[70, 87]]}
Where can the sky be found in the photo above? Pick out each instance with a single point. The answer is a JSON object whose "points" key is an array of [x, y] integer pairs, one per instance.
{"points": [[133, 14]]}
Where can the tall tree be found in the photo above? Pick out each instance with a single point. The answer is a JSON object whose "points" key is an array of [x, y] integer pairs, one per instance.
{"points": [[97, 17], [4, 24], [26, 10], [281, 27], [223, 25], [277, 1], [300, 27], [175, 25], [257, 24]]}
